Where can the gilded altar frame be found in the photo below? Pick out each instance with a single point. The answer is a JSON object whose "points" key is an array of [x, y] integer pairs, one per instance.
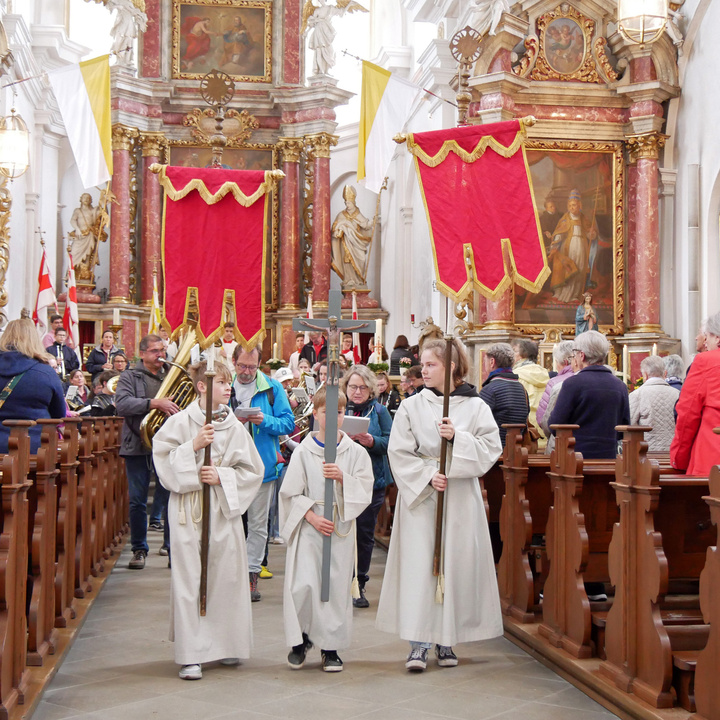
{"points": [[596, 170], [242, 156], [233, 36]]}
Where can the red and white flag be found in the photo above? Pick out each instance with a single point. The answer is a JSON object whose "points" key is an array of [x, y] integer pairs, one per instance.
{"points": [[356, 335], [308, 316], [46, 293], [70, 318]]}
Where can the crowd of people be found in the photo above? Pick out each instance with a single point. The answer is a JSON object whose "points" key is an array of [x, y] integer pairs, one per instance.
{"points": [[268, 471]]}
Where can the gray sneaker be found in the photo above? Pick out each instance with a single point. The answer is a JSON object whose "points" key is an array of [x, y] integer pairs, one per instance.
{"points": [[445, 656], [417, 659], [255, 595], [331, 661], [138, 560], [296, 657]]}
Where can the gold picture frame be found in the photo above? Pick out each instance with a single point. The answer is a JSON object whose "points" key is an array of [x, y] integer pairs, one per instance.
{"points": [[233, 36], [248, 156], [594, 171]]}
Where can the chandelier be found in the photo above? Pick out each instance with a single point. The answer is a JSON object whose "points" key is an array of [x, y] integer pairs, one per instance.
{"points": [[642, 21], [14, 146]]}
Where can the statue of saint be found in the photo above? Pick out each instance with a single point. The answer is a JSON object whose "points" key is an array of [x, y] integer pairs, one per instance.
{"points": [[487, 14], [88, 225], [130, 21], [318, 16], [351, 239], [585, 316]]}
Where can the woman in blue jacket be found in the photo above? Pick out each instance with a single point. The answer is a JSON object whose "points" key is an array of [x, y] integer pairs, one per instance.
{"points": [[360, 386], [29, 388]]}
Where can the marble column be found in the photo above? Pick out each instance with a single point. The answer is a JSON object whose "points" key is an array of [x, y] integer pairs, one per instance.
{"points": [[500, 311], [290, 244], [122, 141], [644, 262], [318, 146], [151, 215], [151, 41]]}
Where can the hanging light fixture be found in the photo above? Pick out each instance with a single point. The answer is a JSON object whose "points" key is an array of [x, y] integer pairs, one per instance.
{"points": [[14, 146], [642, 21]]}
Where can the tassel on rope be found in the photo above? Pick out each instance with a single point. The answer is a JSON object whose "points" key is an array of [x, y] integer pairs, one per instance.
{"points": [[440, 590], [355, 589]]}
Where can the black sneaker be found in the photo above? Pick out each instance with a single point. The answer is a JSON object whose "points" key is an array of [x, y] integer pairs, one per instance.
{"points": [[138, 560], [331, 661], [255, 595], [362, 601], [156, 526], [296, 657], [445, 656], [417, 659]]}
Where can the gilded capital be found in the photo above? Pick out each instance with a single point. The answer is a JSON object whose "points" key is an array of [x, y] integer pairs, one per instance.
{"points": [[153, 144], [319, 145], [122, 137], [290, 148], [646, 146]]}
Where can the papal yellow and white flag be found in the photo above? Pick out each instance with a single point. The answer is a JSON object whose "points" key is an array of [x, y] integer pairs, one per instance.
{"points": [[155, 311], [83, 96], [385, 105]]}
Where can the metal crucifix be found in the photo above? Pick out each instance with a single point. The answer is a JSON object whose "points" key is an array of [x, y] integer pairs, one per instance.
{"points": [[334, 325]]}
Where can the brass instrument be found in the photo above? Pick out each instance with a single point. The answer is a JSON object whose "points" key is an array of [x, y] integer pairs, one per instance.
{"points": [[302, 412], [177, 386], [112, 384]]}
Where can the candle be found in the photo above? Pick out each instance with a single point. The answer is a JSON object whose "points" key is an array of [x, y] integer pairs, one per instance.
{"points": [[654, 349], [378, 336], [412, 319], [116, 316], [626, 368], [210, 357], [275, 351]]}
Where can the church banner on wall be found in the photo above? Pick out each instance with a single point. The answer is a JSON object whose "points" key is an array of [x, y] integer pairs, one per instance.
{"points": [[476, 187], [214, 231]]}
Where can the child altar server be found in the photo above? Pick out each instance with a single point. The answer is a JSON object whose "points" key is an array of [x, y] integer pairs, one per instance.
{"points": [[235, 476], [412, 602], [308, 620]]}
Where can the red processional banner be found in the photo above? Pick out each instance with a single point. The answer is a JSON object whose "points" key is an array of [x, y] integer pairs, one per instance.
{"points": [[214, 233], [476, 186]]}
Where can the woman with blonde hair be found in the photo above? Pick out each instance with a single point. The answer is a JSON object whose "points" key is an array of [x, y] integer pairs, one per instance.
{"points": [[31, 389], [470, 607]]}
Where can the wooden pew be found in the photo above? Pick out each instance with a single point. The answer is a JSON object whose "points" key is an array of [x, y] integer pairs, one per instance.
{"points": [[42, 529], [99, 480], [66, 523], [13, 566], [83, 544]]}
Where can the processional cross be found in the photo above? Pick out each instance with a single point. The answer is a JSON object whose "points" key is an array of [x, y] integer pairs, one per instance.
{"points": [[334, 325]]}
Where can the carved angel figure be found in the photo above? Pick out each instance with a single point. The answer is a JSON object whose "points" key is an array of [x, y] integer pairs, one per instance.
{"points": [[487, 14], [130, 20], [672, 28], [318, 16]]}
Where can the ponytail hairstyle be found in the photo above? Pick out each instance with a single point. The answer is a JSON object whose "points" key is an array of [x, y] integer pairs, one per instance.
{"points": [[459, 357]]}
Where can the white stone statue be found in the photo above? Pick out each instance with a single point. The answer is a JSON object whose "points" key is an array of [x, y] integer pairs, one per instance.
{"points": [[318, 17], [672, 27], [352, 236], [130, 21], [86, 233], [486, 15]]}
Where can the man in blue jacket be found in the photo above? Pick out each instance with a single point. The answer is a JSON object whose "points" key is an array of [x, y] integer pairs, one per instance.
{"points": [[274, 417]]}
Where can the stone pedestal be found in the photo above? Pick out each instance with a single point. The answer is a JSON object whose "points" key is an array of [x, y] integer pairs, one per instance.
{"points": [[362, 299]]}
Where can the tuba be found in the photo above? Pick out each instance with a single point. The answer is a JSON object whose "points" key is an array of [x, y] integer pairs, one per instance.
{"points": [[177, 386]]}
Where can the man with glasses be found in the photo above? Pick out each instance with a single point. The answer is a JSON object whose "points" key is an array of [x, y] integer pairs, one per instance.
{"points": [[135, 397], [274, 417]]}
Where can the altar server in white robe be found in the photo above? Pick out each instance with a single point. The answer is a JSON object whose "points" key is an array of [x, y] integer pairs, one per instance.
{"points": [[410, 604], [308, 620], [225, 632]]}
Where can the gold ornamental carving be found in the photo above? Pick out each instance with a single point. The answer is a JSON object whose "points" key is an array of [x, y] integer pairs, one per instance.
{"points": [[320, 144], [307, 219], [565, 48], [532, 47], [153, 144], [291, 149], [646, 146], [123, 137], [133, 211], [237, 126], [602, 60], [5, 213]]}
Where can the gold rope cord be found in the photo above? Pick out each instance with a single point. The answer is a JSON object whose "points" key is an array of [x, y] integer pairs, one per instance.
{"points": [[271, 178]]}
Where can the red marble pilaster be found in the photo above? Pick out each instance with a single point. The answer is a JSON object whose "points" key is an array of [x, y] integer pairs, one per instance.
{"points": [[500, 311], [319, 150], [120, 215], [293, 42], [291, 149], [151, 216], [150, 52]]}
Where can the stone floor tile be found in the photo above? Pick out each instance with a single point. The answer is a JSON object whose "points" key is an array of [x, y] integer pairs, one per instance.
{"points": [[49, 711], [454, 703]]}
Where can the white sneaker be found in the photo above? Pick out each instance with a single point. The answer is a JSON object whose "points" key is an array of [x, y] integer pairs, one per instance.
{"points": [[230, 661], [277, 540], [190, 672]]}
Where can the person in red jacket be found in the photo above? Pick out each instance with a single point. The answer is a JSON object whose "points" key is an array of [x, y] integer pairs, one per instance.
{"points": [[695, 447]]}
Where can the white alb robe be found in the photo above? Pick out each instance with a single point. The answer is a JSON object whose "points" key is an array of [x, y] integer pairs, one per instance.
{"points": [[226, 630], [471, 607], [328, 624]]}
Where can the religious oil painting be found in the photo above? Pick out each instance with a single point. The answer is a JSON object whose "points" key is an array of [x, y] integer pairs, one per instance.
{"points": [[564, 45], [578, 191], [256, 156], [234, 36]]}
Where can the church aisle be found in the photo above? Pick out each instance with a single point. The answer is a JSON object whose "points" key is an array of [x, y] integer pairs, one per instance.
{"points": [[121, 666]]}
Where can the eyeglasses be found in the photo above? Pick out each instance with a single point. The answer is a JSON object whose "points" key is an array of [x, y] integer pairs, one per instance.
{"points": [[357, 388], [246, 368]]}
